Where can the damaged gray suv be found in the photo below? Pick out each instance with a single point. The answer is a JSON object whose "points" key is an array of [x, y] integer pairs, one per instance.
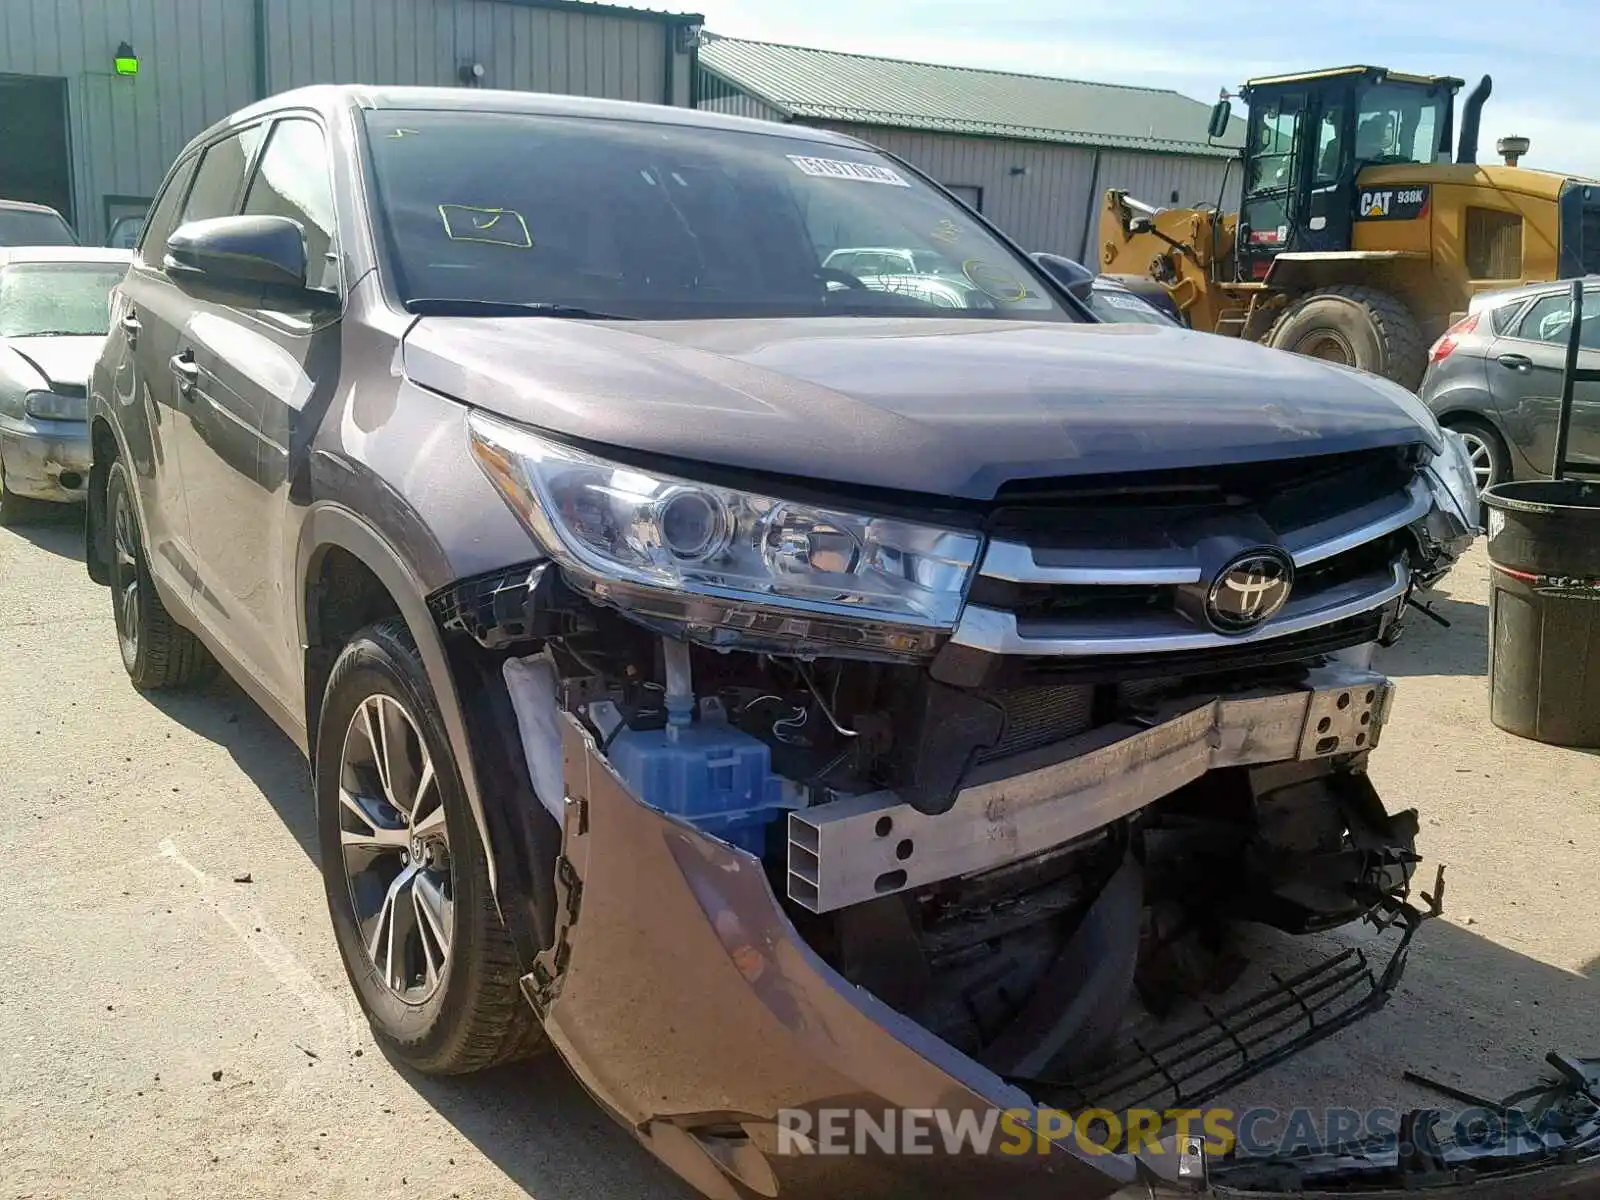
{"points": [[768, 690]]}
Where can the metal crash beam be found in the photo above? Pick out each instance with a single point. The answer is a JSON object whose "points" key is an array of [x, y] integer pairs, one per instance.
{"points": [[862, 847]]}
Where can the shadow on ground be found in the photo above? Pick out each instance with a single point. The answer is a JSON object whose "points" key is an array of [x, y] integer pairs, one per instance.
{"points": [[524, 1118], [54, 528], [1428, 648]]}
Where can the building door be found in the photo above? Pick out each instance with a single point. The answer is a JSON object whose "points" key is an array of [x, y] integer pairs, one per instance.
{"points": [[36, 163]]}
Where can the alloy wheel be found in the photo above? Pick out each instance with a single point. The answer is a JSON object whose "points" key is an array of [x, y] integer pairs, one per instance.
{"points": [[396, 848], [125, 576], [1482, 456]]}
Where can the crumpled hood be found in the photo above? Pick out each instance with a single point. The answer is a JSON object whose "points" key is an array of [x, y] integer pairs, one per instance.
{"points": [[62, 361], [945, 407]]}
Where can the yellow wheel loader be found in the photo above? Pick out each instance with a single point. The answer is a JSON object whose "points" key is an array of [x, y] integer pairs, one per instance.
{"points": [[1357, 239]]}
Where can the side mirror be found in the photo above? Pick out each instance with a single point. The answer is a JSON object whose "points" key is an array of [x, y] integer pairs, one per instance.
{"points": [[248, 262], [1221, 114], [1067, 272]]}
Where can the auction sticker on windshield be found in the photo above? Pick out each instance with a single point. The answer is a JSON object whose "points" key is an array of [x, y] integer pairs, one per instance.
{"points": [[836, 168]]}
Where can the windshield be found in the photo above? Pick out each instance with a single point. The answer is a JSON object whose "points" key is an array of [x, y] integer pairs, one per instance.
{"points": [[1399, 123], [27, 227], [60, 299], [656, 221]]}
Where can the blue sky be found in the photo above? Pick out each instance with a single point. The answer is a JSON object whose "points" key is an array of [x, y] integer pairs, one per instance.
{"points": [[1544, 55]]}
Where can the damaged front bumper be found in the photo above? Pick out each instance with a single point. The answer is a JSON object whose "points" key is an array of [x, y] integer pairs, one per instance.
{"points": [[45, 460], [691, 1009]]}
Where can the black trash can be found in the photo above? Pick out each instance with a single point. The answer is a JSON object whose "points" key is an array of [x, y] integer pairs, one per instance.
{"points": [[1544, 610]]}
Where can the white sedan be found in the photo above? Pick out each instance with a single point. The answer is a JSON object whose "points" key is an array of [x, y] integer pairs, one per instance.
{"points": [[54, 314]]}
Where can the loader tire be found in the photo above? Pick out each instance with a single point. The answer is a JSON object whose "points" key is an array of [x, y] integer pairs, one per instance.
{"points": [[1358, 326]]}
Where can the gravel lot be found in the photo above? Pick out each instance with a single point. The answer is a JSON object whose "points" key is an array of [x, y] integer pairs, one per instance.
{"points": [[167, 1030]]}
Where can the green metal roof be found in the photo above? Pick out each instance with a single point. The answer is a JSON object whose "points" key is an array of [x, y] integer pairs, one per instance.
{"points": [[825, 85]]}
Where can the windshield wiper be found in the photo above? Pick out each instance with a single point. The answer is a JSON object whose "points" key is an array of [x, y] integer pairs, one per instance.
{"points": [[55, 333], [435, 306]]}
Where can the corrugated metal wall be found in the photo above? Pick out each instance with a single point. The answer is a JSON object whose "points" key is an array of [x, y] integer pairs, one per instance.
{"points": [[195, 66], [741, 105], [1043, 208], [1047, 205], [198, 63], [425, 42]]}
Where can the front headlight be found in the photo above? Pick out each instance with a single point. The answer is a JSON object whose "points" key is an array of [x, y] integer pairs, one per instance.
{"points": [[615, 522], [52, 406], [1454, 483]]}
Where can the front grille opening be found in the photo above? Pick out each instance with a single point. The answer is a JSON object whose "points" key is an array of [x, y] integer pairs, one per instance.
{"points": [[1245, 656], [1151, 510], [1053, 602]]}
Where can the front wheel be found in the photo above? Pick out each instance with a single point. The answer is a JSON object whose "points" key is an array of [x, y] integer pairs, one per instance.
{"points": [[405, 871]]}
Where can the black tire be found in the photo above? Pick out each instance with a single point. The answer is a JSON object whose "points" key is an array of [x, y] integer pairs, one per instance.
{"points": [[14, 509], [1358, 326], [1481, 434], [157, 652], [476, 1016]]}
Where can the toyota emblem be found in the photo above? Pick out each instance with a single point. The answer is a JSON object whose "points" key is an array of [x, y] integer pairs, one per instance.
{"points": [[1250, 590]]}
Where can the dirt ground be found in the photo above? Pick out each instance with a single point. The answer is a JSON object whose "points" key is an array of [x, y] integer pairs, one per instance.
{"points": [[168, 1030]]}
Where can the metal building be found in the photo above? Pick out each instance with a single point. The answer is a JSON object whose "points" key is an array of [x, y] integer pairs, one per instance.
{"points": [[97, 97], [1033, 154]]}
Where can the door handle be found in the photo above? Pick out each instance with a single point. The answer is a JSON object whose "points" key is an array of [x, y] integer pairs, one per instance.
{"points": [[187, 371], [1515, 362], [131, 327]]}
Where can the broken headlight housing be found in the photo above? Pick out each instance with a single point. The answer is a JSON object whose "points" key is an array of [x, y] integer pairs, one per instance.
{"points": [[614, 522], [52, 406]]}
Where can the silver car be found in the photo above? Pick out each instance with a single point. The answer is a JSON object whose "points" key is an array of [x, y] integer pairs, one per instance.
{"points": [[54, 309], [1495, 378]]}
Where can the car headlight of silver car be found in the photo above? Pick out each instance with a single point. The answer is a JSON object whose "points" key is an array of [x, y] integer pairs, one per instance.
{"points": [[52, 406], [618, 524], [1454, 483]]}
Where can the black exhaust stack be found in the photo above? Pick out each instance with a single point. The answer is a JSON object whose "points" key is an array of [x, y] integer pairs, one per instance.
{"points": [[1467, 149]]}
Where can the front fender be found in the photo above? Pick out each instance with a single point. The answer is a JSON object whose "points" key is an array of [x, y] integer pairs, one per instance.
{"points": [[477, 718]]}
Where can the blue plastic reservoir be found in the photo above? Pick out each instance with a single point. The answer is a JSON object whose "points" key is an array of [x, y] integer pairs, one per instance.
{"points": [[711, 774]]}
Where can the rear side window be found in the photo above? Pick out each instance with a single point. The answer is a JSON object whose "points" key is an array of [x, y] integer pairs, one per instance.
{"points": [[164, 216], [1502, 318], [294, 181], [221, 176]]}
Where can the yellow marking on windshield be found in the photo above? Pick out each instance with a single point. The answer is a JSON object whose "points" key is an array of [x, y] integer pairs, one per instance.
{"points": [[947, 231], [1001, 286], [491, 226]]}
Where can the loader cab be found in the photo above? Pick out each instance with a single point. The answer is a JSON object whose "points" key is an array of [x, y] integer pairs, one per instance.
{"points": [[1308, 138]]}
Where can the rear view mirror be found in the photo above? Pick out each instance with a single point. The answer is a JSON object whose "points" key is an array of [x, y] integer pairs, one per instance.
{"points": [[1067, 272], [1221, 115], [256, 262]]}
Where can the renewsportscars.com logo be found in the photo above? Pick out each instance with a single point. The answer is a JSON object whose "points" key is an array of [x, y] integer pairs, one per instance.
{"points": [[1215, 1131]]}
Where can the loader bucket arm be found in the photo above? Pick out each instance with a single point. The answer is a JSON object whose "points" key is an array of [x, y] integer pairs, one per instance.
{"points": [[1177, 247]]}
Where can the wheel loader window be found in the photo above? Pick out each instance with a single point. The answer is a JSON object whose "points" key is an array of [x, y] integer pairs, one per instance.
{"points": [[1274, 139], [1399, 123], [1330, 145]]}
